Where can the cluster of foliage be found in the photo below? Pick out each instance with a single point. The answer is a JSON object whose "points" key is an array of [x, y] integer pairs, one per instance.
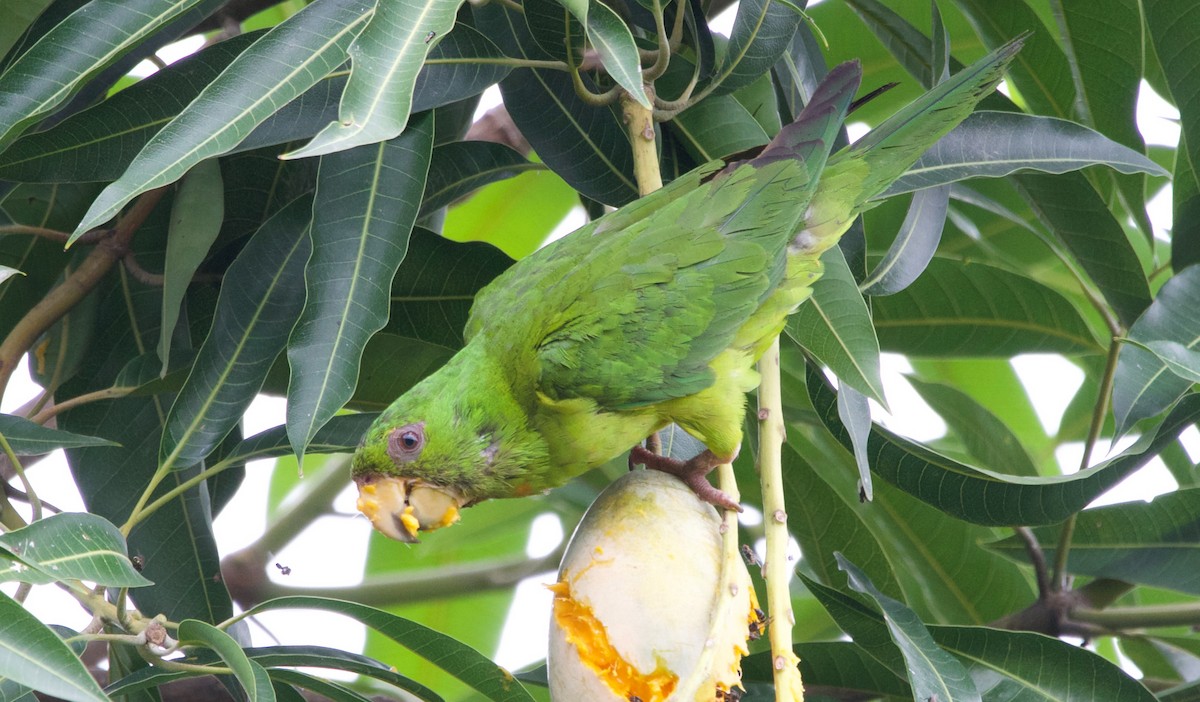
{"points": [[204, 269]]}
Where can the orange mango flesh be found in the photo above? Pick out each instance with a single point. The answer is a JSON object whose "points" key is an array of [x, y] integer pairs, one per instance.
{"points": [[588, 635]]}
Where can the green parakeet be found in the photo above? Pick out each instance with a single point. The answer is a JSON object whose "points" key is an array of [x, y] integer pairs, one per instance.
{"points": [[652, 314]]}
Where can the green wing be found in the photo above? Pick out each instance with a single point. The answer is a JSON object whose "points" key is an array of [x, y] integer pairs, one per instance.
{"points": [[630, 310]]}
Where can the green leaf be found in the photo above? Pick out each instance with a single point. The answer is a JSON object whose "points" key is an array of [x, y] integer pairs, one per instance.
{"points": [[385, 59], [1182, 361], [366, 202], [995, 144], [985, 497], [341, 434], [98, 143], [862, 623], [1152, 544], [838, 665], [612, 40], [716, 127], [1169, 30], [515, 216], [914, 245], [261, 296], [251, 675], [586, 145], [1104, 44], [196, 216], [1011, 665], [992, 313], [21, 14], [762, 30], [98, 34], [70, 546], [34, 656], [29, 439], [836, 328], [465, 663], [982, 433], [325, 689], [824, 521], [289, 59], [933, 673], [1076, 215], [461, 167], [855, 414], [1144, 385]]}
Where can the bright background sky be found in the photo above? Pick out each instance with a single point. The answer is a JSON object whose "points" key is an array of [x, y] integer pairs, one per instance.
{"points": [[332, 551]]}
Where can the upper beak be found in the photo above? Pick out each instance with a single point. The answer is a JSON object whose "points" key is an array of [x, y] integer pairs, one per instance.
{"points": [[400, 508]]}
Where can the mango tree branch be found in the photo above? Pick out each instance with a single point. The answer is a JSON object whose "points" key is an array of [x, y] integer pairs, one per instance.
{"points": [[777, 570], [640, 123], [71, 291]]}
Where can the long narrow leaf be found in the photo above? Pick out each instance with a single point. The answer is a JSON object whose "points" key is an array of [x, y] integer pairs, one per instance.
{"points": [[367, 200], [67, 546], [34, 656], [284, 63]]}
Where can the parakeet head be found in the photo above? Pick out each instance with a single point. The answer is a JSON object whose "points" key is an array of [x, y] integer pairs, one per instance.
{"points": [[453, 440]]}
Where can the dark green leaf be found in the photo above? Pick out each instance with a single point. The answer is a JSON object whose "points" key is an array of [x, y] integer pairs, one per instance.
{"points": [[324, 688], [29, 439], [47, 74], [367, 200], [1011, 665], [836, 328], [341, 434], [862, 623], [335, 659], [69, 546], [855, 413], [837, 665], [762, 30], [986, 497], [612, 40], [933, 673], [1153, 544], [21, 14], [385, 59], [463, 662], [994, 144], [251, 675], [587, 146], [992, 313], [33, 655], [716, 127], [1144, 385], [458, 168], [260, 298], [289, 59]]}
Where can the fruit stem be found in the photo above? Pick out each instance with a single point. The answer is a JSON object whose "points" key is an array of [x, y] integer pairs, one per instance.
{"points": [[777, 570]]}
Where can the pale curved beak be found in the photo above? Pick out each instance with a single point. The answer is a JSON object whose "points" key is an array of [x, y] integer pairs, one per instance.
{"points": [[400, 508]]}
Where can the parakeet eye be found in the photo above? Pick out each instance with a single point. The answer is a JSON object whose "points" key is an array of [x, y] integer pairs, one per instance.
{"points": [[406, 442]]}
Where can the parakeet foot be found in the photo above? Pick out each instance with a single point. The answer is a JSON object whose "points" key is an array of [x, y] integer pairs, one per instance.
{"points": [[692, 472]]}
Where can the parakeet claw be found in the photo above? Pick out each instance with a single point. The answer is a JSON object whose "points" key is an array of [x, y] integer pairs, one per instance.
{"points": [[692, 472]]}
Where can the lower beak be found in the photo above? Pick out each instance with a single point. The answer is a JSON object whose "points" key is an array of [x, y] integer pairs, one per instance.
{"points": [[401, 508]]}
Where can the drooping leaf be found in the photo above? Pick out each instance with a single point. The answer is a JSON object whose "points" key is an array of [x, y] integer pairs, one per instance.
{"points": [[463, 662], [289, 59], [46, 75], [914, 245], [613, 41], [251, 675], [33, 655], [994, 144], [933, 673], [836, 328], [6, 273], [196, 216], [1144, 384], [29, 439], [69, 545], [384, 61], [855, 414], [366, 202], [1152, 544], [261, 296], [992, 313], [985, 497], [838, 665]]}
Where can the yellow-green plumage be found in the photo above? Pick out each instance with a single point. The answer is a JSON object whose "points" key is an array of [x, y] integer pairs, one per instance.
{"points": [[657, 312]]}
